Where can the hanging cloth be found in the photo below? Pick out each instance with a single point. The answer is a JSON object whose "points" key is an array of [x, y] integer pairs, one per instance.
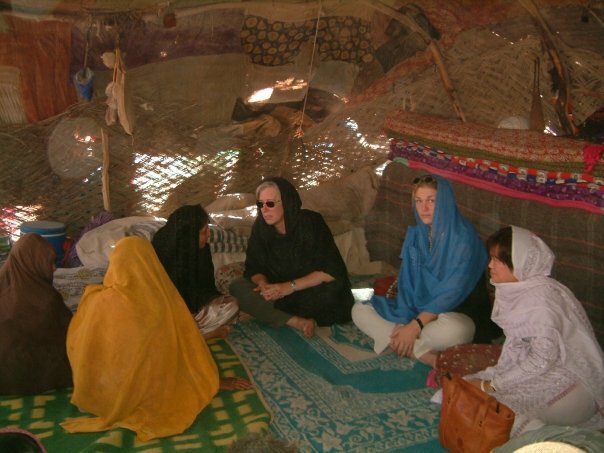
{"points": [[118, 100]]}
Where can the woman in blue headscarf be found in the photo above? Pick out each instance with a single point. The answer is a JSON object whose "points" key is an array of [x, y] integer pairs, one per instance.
{"points": [[443, 267]]}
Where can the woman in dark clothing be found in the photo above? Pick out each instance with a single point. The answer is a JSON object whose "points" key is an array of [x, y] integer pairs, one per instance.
{"points": [[294, 273], [181, 245], [33, 321]]}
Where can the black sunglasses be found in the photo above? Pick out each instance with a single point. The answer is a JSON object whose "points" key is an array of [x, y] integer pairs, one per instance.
{"points": [[429, 179], [269, 204]]}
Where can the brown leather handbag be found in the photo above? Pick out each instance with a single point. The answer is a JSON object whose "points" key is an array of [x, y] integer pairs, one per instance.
{"points": [[471, 421]]}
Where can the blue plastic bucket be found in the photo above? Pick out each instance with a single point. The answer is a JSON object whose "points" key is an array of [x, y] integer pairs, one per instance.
{"points": [[53, 232]]}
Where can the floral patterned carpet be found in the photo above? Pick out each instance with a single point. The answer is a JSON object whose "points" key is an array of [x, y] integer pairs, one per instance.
{"points": [[332, 393], [232, 415]]}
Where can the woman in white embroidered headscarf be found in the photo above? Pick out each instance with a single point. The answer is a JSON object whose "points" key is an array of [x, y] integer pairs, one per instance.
{"points": [[551, 367]]}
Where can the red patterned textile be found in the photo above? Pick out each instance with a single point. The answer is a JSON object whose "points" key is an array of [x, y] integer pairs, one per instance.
{"points": [[466, 359], [520, 164], [39, 47], [505, 144]]}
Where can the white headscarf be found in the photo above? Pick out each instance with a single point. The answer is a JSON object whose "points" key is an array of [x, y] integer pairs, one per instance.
{"points": [[539, 306], [531, 256]]}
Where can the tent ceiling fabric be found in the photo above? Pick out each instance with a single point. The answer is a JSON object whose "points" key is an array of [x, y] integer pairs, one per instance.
{"points": [[196, 137]]}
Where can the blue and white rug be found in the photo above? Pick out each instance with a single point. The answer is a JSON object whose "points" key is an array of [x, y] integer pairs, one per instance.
{"points": [[332, 393]]}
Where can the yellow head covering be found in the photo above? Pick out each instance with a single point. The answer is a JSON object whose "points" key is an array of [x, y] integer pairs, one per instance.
{"points": [[138, 359]]}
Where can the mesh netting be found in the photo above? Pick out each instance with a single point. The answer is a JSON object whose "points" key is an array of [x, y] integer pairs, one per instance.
{"points": [[185, 149], [168, 163]]}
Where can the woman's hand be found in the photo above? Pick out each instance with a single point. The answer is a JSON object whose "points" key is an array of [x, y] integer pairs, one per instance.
{"points": [[275, 291], [235, 383], [403, 338]]}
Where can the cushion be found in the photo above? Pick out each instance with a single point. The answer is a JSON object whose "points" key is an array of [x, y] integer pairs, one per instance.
{"points": [[71, 282], [226, 274], [94, 246], [146, 229], [467, 359]]}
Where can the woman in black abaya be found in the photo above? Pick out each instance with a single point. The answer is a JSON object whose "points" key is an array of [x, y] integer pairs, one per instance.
{"points": [[294, 273]]}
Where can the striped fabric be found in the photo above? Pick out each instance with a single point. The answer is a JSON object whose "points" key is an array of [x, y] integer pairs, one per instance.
{"points": [[226, 241], [562, 188], [221, 240]]}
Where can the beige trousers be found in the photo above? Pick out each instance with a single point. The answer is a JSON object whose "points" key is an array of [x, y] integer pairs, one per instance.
{"points": [[449, 329]]}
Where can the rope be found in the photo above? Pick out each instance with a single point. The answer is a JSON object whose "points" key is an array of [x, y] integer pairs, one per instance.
{"points": [[299, 132]]}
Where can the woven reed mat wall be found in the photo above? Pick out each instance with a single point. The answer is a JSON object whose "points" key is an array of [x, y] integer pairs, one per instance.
{"points": [[176, 157], [491, 68], [170, 161]]}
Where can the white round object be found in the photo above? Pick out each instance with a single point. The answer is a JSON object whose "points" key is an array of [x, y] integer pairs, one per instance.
{"points": [[549, 447], [75, 147], [514, 122]]}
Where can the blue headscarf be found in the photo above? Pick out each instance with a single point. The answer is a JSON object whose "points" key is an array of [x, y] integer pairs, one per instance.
{"points": [[436, 280]]}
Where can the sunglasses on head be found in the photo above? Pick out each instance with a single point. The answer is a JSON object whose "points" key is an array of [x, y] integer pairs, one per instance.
{"points": [[424, 179], [269, 204]]}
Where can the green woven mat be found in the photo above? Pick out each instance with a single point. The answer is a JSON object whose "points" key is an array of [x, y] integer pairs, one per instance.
{"points": [[231, 415]]}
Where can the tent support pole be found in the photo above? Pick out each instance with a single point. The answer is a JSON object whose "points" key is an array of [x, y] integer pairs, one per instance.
{"points": [[432, 47], [105, 172], [563, 100]]}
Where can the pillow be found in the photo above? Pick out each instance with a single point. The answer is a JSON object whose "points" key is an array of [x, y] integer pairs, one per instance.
{"points": [[226, 241], [386, 286], [146, 229], [343, 203], [95, 246], [226, 274], [467, 359], [71, 255], [71, 282]]}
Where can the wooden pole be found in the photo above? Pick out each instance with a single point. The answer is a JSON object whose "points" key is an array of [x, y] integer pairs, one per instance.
{"points": [[563, 100], [432, 47], [105, 172], [536, 119]]}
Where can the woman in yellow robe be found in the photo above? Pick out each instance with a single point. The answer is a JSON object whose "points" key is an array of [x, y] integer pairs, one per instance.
{"points": [[138, 359]]}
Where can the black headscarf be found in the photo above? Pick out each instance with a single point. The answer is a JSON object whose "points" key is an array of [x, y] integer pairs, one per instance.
{"points": [[291, 203], [189, 267], [306, 246]]}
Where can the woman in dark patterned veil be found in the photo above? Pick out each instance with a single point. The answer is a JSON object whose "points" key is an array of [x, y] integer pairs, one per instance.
{"points": [[181, 246]]}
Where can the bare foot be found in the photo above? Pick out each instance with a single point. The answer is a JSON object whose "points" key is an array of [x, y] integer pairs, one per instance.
{"points": [[221, 332], [235, 383], [429, 358], [305, 325]]}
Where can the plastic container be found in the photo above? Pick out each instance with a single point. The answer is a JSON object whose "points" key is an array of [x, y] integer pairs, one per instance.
{"points": [[53, 232]]}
